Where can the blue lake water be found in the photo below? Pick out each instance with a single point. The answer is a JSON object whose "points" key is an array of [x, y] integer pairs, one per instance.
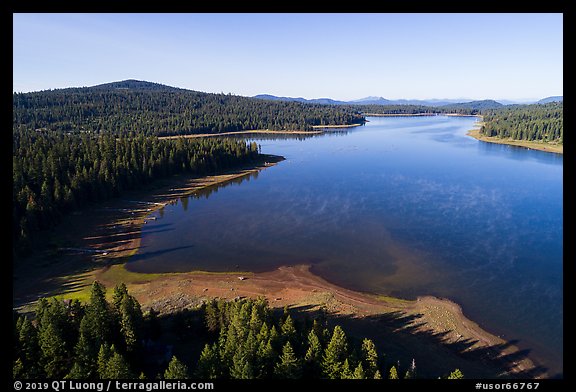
{"points": [[402, 206]]}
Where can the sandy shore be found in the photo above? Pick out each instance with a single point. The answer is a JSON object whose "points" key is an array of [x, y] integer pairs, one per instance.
{"points": [[434, 329], [335, 126], [541, 146], [253, 131], [104, 234]]}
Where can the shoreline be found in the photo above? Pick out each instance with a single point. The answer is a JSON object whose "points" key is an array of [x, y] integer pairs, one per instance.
{"points": [[428, 320], [540, 146], [336, 126], [420, 114], [96, 238], [256, 131], [119, 238]]}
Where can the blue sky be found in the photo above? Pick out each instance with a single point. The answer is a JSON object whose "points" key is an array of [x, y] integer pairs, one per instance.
{"points": [[341, 56]]}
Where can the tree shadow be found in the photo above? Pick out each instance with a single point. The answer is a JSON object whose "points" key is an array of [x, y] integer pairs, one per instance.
{"points": [[402, 337]]}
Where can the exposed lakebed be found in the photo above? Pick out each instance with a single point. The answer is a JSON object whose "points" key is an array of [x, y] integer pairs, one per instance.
{"points": [[401, 206]]}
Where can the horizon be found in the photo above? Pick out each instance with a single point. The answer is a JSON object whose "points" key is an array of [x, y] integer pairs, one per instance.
{"points": [[459, 99], [344, 57]]}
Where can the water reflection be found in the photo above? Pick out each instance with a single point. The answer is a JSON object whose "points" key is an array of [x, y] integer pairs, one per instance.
{"points": [[401, 206], [519, 153]]}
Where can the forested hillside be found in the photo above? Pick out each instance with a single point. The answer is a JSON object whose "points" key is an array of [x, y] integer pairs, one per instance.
{"points": [[55, 173], [241, 339], [75, 145], [526, 122], [467, 108], [146, 108]]}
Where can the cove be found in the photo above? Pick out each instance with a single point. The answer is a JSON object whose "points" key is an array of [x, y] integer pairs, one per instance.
{"points": [[401, 206]]}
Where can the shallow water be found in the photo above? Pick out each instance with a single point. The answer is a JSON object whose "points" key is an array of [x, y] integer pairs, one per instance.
{"points": [[402, 206]]}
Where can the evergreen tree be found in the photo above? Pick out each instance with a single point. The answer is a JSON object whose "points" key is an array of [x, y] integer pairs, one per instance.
{"points": [[241, 367], [85, 356], [335, 354], [55, 357], [120, 291], [359, 372], [369, 357], [18, 370], [313, 356], [118, 367], [176, 370], [29, 349], [104, 355], [288, 330], [288, 366], [130, 322], [393, 375], [264, 359], [346, 373], [97, 319], [455, 375], [209, 366]]}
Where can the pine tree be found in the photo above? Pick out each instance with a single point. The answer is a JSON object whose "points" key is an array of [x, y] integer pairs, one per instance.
{"points": [[335, 354], [288, 366], [29, 349], [378, 375], [118, 368], [346, 373], [313, 356], [120, 291], [288, 330], [130, 322], [85, 356], [78, 372], [104, 355], [369, 357], [264, 359], [241, 366], [455, 375], [18, 370], [176, 370], [393, 375], [54, 354], [209, 366], [98, 317], [359, 372]]}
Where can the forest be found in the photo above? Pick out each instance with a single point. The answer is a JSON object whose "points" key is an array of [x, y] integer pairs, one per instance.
{"points": [[237, 339], [541, 122], [466, 108], [77, 145], [147, 108], [55, 173]]}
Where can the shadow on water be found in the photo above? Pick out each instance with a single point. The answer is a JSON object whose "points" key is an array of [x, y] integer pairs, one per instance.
{"points": [[512, 152], [145, 255], [402, 337]]}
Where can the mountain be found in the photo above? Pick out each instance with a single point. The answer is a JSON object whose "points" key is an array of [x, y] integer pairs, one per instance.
{"points": [[129, 106], [557, 98], [373, 100], [475, 105], [127, 85], [322, 101]]}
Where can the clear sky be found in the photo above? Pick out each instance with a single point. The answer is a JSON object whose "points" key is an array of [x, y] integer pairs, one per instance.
{"points": [[340, 56]]}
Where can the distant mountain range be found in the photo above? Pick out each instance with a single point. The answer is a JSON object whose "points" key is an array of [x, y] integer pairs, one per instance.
{"points": [[485, 104], [140, 85], [558, 98]]}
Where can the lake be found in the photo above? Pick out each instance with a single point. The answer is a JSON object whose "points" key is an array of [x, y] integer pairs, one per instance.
{"points": [[401, 206]]}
